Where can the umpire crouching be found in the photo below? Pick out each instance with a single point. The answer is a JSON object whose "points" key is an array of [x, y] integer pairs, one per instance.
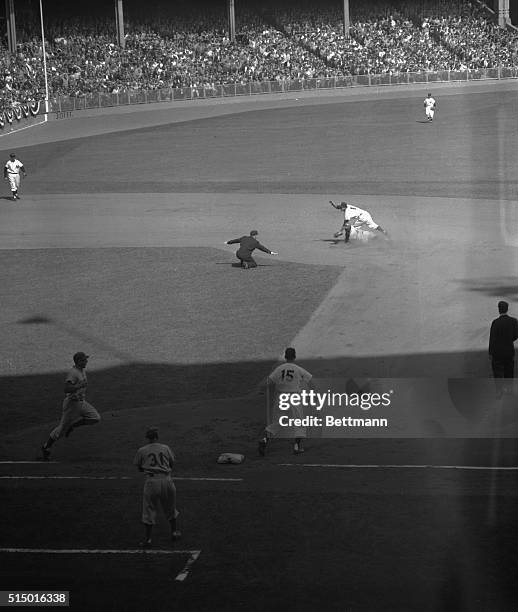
{"points": [[503, 333], [247, 245]]}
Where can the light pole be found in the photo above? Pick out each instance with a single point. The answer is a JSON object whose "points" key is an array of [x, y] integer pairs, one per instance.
{"points": [[44, 61]]}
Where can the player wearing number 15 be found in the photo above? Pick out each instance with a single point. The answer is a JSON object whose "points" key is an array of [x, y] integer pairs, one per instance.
{"points": [[156, 461], [288, 377]]}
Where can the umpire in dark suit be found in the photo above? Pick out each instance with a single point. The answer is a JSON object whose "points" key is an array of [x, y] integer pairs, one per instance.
{"points": [[247, 245], [504, 331]]}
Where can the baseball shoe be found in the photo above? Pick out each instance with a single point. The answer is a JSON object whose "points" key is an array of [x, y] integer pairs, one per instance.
{"points": [[176, 535], [45, 453], [246, 266], [145, 544], [263, 443]]}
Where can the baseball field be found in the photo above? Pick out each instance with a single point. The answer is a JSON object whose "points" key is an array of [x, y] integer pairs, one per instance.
{"points": [[116, 248]]}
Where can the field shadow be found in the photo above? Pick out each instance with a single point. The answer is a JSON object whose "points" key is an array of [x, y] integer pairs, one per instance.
{"points": [[29, 400], [505, 286]]}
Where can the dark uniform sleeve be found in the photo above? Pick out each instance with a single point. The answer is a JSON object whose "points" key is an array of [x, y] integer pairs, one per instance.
{"points": [[234, 241], [262, 248]]}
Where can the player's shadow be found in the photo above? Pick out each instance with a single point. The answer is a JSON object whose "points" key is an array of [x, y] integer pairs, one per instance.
{"points": [[8, 198], [238, 265], [422, 121], [336, 242]]}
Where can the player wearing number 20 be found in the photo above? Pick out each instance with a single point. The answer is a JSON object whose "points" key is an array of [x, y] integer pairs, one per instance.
{"points": [[156, 461]]}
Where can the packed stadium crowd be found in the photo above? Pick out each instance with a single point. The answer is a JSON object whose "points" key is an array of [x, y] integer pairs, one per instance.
{"points": [[273, 43]]}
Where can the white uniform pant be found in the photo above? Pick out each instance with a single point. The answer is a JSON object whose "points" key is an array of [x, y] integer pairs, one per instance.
{"points": [[430, 113], [14, 180], [74, 410], [361, 234]]}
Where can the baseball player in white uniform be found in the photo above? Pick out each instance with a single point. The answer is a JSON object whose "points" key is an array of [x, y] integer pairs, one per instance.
{"points": [[76, 410], [156, 461], [358, 223], [12, 170], [429, 107], [286, 378]]}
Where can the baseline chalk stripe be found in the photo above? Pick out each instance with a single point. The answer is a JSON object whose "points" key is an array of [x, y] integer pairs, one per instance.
{"points": [[99, 551], [209, 479], [37, 462], [185, 572], [66, 478], [193, 554], [46, 477], [396, 466]]}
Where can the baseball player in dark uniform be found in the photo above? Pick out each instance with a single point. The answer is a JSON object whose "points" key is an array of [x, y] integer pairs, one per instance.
{"points": [[247, 245]]}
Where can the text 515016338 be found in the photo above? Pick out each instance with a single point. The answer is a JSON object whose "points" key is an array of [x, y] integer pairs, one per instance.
{"points": [[34, 598]]}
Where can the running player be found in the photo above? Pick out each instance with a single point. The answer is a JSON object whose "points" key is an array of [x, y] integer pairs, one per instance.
{"points": [[76, 410]]}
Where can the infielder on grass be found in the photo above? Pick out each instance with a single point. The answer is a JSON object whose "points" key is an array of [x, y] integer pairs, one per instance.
{"points": [[156, 461], [76, 410], [288, 377], [12, 170], [247, 245], [356, 222]]}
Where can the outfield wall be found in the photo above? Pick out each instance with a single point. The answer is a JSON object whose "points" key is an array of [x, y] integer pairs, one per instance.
{"points": [[61, 105]]}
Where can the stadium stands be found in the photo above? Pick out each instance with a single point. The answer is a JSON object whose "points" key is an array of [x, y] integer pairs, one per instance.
{"points": [[281, 41]]}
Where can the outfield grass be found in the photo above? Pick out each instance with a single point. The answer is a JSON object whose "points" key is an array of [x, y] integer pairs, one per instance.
{"points": [[162, 325]]}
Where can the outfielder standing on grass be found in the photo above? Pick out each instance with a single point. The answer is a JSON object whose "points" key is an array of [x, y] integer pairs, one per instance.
{"points": [[354, 219], [288, 377], [156, 461], [429, 107], [247, 245], [12, 170], [76, 410]]}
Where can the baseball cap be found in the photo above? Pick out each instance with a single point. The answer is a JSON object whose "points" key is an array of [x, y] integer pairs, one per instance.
{"points": [[254, 233], [290, 353], [12, 154], [152, 433], [80, 355]]}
